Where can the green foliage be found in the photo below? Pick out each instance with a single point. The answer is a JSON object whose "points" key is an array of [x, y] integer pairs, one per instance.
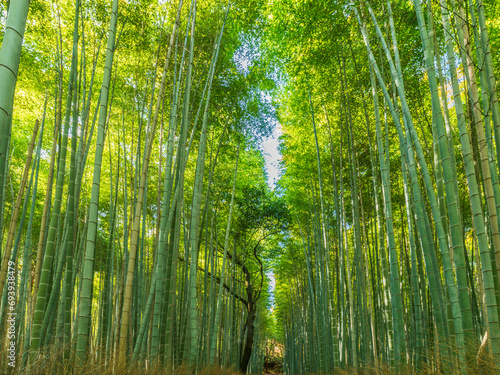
{"points": [[324, 242]]}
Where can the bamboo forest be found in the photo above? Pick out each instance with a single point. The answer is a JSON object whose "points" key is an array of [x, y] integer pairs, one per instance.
{"points": [[204, 187]]}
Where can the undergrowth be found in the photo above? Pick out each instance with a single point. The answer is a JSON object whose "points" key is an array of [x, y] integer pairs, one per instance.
{"points": [[53, 363]]}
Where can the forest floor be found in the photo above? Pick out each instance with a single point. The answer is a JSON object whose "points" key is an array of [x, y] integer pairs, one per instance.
{"points": [[274, 369]]}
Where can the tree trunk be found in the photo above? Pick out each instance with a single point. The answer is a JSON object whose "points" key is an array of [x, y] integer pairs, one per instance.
{"points": [[250, 327]]}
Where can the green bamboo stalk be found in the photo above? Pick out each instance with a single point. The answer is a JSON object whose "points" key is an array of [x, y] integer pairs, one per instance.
{"points": [[84, 313], [43, 293], [140, 198], [197, 198], [407, 150], [218, 308], [15, 212], [10, 55]]}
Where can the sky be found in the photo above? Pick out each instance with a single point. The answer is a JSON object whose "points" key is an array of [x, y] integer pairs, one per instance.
{"points": [[269, 147], [272, 159], [272, 156], [243, 58]]}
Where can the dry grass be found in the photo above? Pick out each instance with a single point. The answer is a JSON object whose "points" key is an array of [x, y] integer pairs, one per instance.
{"points": [[485, 367], [49, 367], [53, 364]]}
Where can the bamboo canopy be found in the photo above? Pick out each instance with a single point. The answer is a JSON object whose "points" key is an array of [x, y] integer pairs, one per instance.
{"points": [[251, 186]]}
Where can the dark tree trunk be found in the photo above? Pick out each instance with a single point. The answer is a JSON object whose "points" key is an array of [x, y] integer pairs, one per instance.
{"points": [[250, 334]]}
